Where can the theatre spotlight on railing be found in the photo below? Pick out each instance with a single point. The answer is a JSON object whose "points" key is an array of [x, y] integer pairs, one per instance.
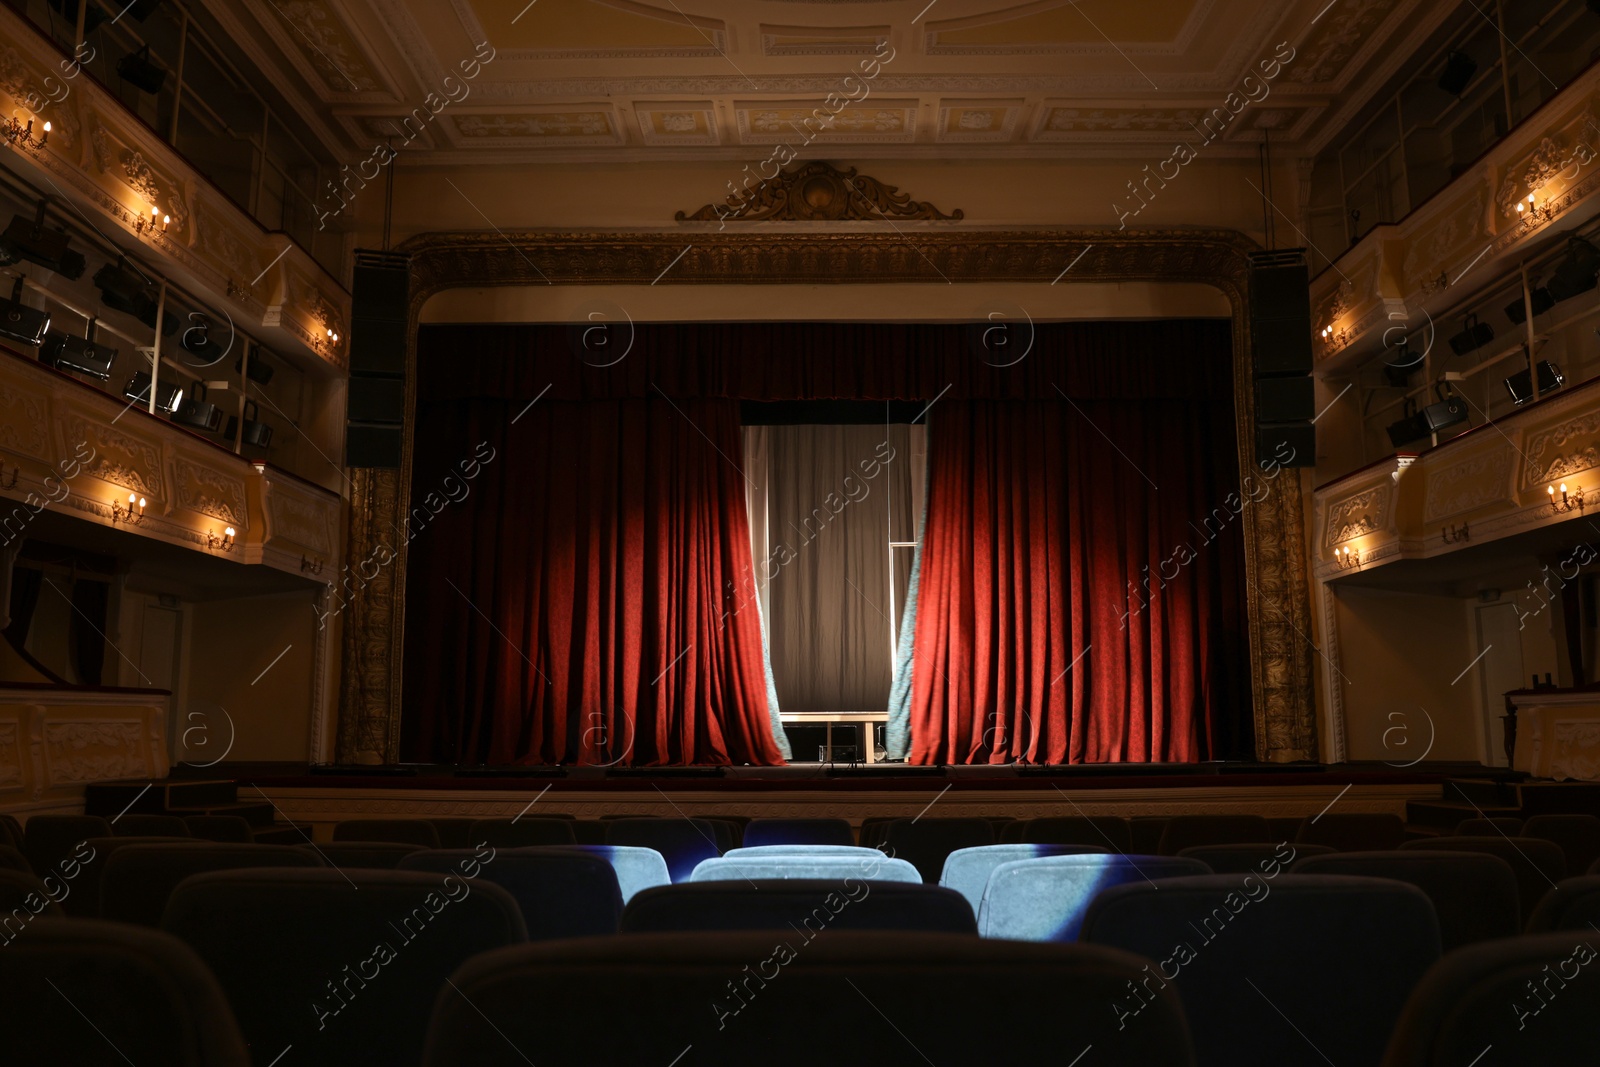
{"points": [[168, 396], [132, 513], [1572, 501], [1520, 386]]}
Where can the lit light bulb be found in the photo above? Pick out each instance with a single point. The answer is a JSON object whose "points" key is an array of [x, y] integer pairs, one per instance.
{"points": [[47, 127], [166, 220], [228, 531], [141, 503]]}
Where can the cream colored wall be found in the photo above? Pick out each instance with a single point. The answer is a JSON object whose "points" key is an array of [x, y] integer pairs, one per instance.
{"points": [[234, 664]]}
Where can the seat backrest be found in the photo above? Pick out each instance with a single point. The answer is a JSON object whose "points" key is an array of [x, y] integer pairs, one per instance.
{"points": [[11, 831], [343, 964], [727, 833], [1045, 899], [402, 831], [521, 832], [1146, 831], [1474, 894], [1239, 951], [1578, 836], [367, 855], [23, 898], [454, 833], [800, 850], [1537, 865], [967, 870], [146, 996], [683, 843], [798, 832], [1355, 831], [913, 998], [875, 867], [1500, 824], [873, 829], [134, 824], [51, 840], [139, 879], [927, 843], [81, 881], [1252, 857], [232, 829], [1185, 831], [12, 859], [1530, 998], [637, 868], [808, 906], [562, 892], [1110, 832], [1574, 904]]}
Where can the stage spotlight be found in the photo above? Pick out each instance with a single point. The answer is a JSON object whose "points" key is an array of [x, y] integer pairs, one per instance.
{"points": [[136, 69], [1399, 374], [126, 290], [197, 340], [197, 412], [1408, 429], [1517, 310], [256, 433], [27, 239], [168, 397], [260, 371], [1520, 384], [67, 352], [1450, 410], [1474, 334], [20, 323], [1458, 71], [1576, 273]]}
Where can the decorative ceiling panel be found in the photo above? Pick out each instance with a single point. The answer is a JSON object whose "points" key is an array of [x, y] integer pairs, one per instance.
{"points": [[794, 122], [823, 40], [581, 124], [977, 120], [591, 29], [1154, 27], [317, 36], [678, 124]]}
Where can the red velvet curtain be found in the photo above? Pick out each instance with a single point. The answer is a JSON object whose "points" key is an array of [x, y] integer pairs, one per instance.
{"points": [[1079, 592], [584, 596]]}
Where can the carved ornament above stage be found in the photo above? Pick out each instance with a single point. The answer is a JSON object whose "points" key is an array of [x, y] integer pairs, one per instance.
{"points": [[817, 192]]}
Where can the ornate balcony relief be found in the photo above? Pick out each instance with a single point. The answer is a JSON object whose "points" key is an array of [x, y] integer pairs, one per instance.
{"points": [[54, 740], [110, 164], [301, 523]]}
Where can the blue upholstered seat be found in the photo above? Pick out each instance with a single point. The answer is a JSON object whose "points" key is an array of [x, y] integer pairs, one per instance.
{"points": [[874, 866], [1474, 895], [1045, 899], [683, 843], [1526, 1001], [798, 832], [1296, 969], [806, 905], [800, 850], [967, 870], [562, 892], [636, 867]]}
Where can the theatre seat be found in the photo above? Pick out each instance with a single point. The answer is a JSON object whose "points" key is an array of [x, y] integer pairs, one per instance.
{"points": [[683, 843], [1110, 832], [1474, 895], [342, 966], [562, 893], [454, 833], [1574, 904], [800, 850], [1537, 865], [873, 829], [798, 832], [967, 870], [1260, 857], [1297, 969], [399, 831], [1503, 824], [11, 832], [759, 998], [1529, 999], [927, 843], [139, 879], [97, 994], [137, 825], [369, 855], [23, 898], [809, 906], [1046, 899], [636, 868], [521, 832], [1578, 836], [230, 829], [1354, 831], [81, 883], [873, 866], [1186, 831], [48, 840], [13, 860]]}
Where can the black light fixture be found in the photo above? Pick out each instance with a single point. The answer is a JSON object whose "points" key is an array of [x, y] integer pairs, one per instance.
{"points": [[1520, 384], [28, 239], [67, 352], [1517, 310], [260, 371], [126, 290], [197, 341], [1409, 428], [1458, 71], [256, 433], [1576, 273], [137, 70], [1399, 374], [168, 396], [1474, 334], [20, 323], [197, 412], [1449, 410]]}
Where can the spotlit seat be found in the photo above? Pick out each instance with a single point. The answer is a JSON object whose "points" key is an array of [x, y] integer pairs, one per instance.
{"points": [[683, 843], [734, 998], [562, 893], [967, 870], [139, 878], [636, 868], [798, 832], [799, 850], [1045, 899], [810, 906], [874, 866], [1474, 895]]}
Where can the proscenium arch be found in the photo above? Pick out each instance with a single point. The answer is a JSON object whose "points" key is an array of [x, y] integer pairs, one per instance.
{"points": [[1276, 576]]}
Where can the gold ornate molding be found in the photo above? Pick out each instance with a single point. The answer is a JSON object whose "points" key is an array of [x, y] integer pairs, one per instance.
{"points": [[818, 191], [1275, 561], [371, 611]]}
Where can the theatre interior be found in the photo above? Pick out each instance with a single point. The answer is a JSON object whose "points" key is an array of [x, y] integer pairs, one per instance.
{"points": [[673, 532]]}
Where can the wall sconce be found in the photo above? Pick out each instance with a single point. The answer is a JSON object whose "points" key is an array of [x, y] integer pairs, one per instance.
{"points": [[1335, 338], [1454, 535], [1568, 502], [132, 514], [306, 566], [157, 223], [15, 473], [19, 136], [223, 543], [1347, 557], [1529, 210]]}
